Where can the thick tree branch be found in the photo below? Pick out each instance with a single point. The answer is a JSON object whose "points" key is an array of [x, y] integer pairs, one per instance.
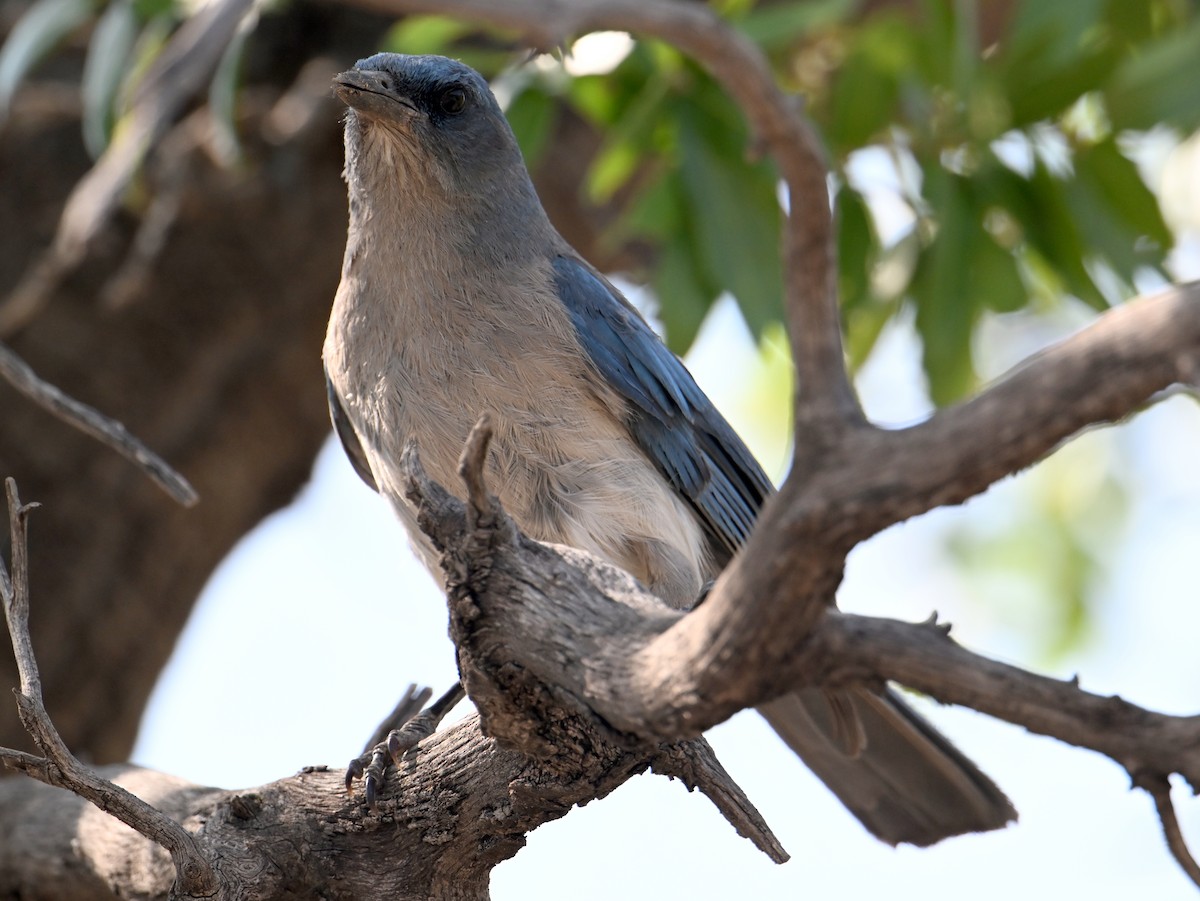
{"points": [[487, 560], [457, 805], [527, 626], [776, 591], [1102, 374]]}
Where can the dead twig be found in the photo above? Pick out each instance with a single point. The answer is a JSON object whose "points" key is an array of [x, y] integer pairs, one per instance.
{"points": [[1159, 788], [92, 422], [195, 877]]}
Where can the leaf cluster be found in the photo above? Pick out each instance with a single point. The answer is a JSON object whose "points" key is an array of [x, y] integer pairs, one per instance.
{"points": [[1009, 168]]}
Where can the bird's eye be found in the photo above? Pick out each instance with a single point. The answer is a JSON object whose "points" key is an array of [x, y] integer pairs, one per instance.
{"points": [[453, 101]]}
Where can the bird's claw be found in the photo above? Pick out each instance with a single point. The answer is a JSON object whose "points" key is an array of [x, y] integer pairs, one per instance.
{"points": [[372, 765]]}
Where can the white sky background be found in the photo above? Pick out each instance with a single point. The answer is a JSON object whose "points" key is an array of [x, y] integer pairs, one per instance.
{"points": [[308, 633]]}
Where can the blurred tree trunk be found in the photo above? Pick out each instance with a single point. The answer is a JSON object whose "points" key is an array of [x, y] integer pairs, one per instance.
{"points": [[214, 361]]}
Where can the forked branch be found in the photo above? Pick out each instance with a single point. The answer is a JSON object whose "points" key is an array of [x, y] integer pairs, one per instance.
{"points": [[59, 766]]}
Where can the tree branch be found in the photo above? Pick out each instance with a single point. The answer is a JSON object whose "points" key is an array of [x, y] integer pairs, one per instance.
{"points": [[774, 594], [487, 561], [1101, 374], [195, 875], [1159, 788], [531, 632], [92, 422], [846, 647], [458, 803]]}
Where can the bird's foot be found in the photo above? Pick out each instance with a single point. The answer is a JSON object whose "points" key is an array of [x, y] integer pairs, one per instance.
{"points": [[371, 766]]}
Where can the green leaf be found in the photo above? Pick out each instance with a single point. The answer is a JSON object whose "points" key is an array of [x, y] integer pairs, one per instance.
{"points": [[613, 166], [153, 9], [1053, 55], [222, 98], [1055, 31], [781, 23], [947, 307], [1118, 179], [594, 97], [856, 247], [1158, 85], [863, 327], [1039, 207], [1118, 216], [735, 211], [425, 34], [658, 211], [446, 36], [36, 33], [683, 296], [108, 60], [1132, 22], [996, 274], [680, 281], [1037, 92], [532, 115], [863, 99], [628, 140]]}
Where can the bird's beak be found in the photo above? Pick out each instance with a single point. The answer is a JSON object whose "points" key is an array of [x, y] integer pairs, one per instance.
{"points": [[372, 92]]}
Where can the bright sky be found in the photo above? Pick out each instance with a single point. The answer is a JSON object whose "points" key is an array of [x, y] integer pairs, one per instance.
{"points": [[308, 633]]}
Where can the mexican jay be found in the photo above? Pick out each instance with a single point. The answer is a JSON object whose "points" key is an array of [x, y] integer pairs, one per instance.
{"points": [[458, 295]]}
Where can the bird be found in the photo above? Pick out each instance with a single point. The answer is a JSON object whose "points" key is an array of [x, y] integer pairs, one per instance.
{"points": [[458, 295]]}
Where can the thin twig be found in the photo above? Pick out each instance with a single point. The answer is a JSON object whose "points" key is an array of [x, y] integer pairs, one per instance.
{"points": [[1159, 788], [696, 765], [60, 767], [14, 590], [92, 422]]}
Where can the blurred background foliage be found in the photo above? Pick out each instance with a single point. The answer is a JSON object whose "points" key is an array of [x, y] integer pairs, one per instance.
{"points": [[989, 160]]}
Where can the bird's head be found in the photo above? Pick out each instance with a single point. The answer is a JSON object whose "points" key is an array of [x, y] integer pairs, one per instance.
{"points": [[429, 115]]}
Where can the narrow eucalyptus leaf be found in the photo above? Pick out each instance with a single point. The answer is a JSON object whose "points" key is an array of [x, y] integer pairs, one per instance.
{"points": [[36, 33], [108, 59]]}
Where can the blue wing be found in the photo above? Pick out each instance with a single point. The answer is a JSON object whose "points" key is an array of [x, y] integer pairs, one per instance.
{"points": [[671, 419]]}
